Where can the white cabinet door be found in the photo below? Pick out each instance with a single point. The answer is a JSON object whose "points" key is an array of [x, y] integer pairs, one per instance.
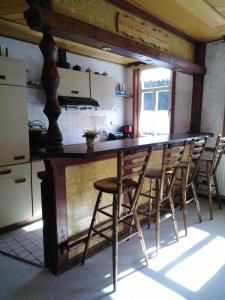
{"points": [[74, 83], [15, 194], [37, 166], [12, 71], [14, 134], [103, 90]]}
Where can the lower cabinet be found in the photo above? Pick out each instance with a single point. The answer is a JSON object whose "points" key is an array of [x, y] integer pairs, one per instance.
{"points": [[15, 194], [37, 166]]}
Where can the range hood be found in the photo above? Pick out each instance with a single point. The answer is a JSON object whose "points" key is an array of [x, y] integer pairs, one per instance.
{"points": [[77, 101]]}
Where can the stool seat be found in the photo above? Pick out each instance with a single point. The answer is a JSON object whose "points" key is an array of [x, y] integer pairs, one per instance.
{"points": [[153, 173], [110, 185]]}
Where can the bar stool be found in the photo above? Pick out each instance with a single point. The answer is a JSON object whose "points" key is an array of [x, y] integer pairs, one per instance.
{"points": [[163, 180], [211, 162], [189, 171], [131, 167]]}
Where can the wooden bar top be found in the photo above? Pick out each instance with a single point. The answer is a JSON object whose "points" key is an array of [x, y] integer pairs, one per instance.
{"points": [[109, 147]]}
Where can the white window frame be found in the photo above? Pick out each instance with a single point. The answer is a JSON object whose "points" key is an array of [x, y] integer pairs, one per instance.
{"points": [[153, 90]]}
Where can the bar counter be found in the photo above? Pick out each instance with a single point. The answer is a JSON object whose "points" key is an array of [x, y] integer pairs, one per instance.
{"points": [[68, 195], [100, 148]]}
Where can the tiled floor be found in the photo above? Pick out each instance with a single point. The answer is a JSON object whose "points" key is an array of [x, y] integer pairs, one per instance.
{"points": [[25, 243]]}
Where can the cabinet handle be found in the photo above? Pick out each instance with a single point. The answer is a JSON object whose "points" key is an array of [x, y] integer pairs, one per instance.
{"points": [[2, 77], [20, 180], [4, 172], [18, 157], [74, 92]]}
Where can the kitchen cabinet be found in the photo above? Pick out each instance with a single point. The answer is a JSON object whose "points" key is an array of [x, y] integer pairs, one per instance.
{"points": [[15, 194], [12, 71], [74, 83], [37, 166], [88, 85], [13, 125], [13, 114], [103, 90], [15, 167]]}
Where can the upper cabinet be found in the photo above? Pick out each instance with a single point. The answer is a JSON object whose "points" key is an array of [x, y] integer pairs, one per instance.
{"points": [[74, 83], [86, 85], [103, 90], [12, 71]]}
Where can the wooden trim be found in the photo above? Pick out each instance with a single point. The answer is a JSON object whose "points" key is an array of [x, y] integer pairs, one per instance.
{"points": [[75, 30], [136, 80], [140, 12], [197, 94], [173, 101]]}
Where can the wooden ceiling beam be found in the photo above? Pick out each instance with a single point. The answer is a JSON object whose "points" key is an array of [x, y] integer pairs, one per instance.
{"points": [[69, 28]]}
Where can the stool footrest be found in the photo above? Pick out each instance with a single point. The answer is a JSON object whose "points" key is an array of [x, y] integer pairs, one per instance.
{"points": [[105, 213], [102, 234]]}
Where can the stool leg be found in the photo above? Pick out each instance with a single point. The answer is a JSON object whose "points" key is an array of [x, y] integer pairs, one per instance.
{"points": [[209, 190], [132, 220], [115, 241], [173, 217], [217, 191], [196, 202], [150, 202], [91, 227], [184, 200], [140, 235], [157, 217]]}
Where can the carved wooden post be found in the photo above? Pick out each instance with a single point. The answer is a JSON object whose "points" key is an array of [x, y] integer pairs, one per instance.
{"points": [[50, 82]]}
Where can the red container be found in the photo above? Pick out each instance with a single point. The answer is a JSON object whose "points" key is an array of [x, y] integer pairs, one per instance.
{"points": [[127, 129]]}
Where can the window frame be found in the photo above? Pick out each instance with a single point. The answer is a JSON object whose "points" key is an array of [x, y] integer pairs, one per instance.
{"points": [[154, 90]]}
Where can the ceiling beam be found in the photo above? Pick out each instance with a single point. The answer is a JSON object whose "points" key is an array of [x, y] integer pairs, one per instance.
{"points": [[69, 28]]}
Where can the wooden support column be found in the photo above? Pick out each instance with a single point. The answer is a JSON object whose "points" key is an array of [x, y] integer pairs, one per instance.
{"points": [[136, 74], [50, 82], [197, 94], [173, 101], [54, 209]]}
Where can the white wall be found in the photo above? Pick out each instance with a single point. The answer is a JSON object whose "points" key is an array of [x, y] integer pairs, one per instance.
{"points": [[214, 90], [72, 122], [182, 116]]}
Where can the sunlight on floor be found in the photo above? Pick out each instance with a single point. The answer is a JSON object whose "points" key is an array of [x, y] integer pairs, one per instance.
{"points": [[134, 287], [33, 226], [171, 253], [200, 267]]}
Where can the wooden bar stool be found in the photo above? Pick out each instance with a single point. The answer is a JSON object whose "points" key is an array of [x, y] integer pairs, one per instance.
{"points": [[163, 180], [131, 167], [210, 162], [189, 171]]}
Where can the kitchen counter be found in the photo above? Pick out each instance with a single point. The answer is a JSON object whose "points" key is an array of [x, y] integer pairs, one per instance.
{"points": [[68, 196]]}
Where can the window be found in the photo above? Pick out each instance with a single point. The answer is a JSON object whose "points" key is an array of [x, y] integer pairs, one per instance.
{"points": [[154, 118]]}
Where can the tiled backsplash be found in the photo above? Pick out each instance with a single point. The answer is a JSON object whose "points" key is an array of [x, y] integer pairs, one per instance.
{"points": [[73, 122]]}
